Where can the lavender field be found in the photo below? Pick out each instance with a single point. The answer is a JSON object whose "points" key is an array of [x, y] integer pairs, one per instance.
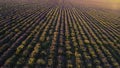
{"points": [[58, 34]]}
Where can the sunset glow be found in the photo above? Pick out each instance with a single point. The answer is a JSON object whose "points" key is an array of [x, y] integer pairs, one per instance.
{"points": [[109, 4]]}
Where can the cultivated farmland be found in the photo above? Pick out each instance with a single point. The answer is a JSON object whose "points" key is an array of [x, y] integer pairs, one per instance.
{"points": [[58, 35]]}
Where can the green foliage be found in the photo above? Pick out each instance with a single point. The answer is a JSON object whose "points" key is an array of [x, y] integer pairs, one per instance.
{"points": [[41, 62], [31, 61]]}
